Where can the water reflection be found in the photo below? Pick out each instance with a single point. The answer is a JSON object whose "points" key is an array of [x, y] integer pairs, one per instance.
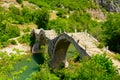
{"points": [[39, 58]]}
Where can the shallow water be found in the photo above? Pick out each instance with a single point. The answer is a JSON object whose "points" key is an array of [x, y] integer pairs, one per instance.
{"points": [[31, 62]]}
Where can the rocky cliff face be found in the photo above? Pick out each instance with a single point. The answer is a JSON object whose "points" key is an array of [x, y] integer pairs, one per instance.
{"points": [[109, 5]]}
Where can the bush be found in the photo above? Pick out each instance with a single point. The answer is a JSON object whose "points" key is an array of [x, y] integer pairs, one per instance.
{"points": [[14, 10], [7, 70], [99, 67], [111, 31], [13, 42], [12, 31], [4, 38], [117, 56], [19, 1], [27, 14], [42, 18], [61, 13], [25, 39], [58, 24], [105, 63], [44, 74], [101, 45], [8, 31]]}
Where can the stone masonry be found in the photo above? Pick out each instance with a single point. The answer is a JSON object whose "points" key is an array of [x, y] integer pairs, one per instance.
{"points": [[84, 43]]}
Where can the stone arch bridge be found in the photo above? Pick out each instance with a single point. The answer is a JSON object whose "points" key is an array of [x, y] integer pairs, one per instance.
{"points": [[84, 43]]}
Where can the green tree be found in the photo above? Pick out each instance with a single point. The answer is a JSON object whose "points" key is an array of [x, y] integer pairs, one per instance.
{"points": [[112, 32], [27, 14], [12, 31], [19, 1], [42, 18], [99, 67], [43, 74], [58, 24], [14, 10], [25, 39]]}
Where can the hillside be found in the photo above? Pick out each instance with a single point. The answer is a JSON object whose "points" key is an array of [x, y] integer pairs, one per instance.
{"points": [[96, 23]]}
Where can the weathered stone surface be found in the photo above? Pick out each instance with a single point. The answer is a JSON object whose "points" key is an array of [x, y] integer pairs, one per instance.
{"points": [[109, 5], [58, 45]]}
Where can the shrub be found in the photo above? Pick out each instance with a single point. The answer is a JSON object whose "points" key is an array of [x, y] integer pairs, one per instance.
{"points": [[101, 45], [13, 42], [44, 74], [8, 31], [19, 1], [14, 10], [12, 31], [117, 56], [99, 67], [27, 14], [104, 62], [42, 18], [58, 24], [25, 39], [4, 38], [111, 31], [61, 13]]}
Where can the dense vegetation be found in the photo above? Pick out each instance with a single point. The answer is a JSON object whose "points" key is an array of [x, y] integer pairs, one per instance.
{"points": [[68, 18], [70, 15], [112, 32], [98, 67], [107, 32]]}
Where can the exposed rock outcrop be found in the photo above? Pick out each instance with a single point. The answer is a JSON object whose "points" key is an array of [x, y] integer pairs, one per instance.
{"points": [[109, 5]]}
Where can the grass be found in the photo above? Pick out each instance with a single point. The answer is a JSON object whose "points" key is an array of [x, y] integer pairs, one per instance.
{"points": [[117, 56]]}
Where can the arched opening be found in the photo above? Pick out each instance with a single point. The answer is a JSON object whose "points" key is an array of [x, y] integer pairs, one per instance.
{"points": [[39, 55], [59, 54], [65, 48], [60, 51], [42, 41], [73, 56]]}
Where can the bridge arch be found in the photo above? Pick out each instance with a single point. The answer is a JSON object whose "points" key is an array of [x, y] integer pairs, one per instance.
{"points": [[57, 45], [42, 38], [60, 48], [34, 41]]}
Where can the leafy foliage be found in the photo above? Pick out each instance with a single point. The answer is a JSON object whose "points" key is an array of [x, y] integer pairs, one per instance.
{"points": [[42, 18], [44, 74], [58, 24], [27, 14], [68, 4], [19, 1], [112, 32], [7, 70], [25, 39], [98, 67], [8, 32], [117, 56]]}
